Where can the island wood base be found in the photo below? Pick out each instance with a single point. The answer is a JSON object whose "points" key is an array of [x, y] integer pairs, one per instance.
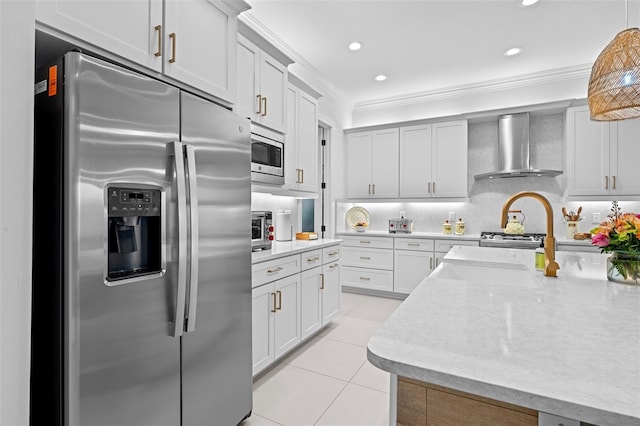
{"points": [[421, 403]]}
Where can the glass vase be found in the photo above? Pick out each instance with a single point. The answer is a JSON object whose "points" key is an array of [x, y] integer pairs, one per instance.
{"points": [[623, 269]]}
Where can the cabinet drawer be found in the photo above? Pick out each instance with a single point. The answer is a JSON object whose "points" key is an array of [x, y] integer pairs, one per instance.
{"points": [[413, 244], [367, 258], [370, 242], [311, 259], [330, 254], [265, 272], [366, 278], [444, 246]]}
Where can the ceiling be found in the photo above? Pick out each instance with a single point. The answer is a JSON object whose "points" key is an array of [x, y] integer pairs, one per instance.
{"points": [[428, 45]]}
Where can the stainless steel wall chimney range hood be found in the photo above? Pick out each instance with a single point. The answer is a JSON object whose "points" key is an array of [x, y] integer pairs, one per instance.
{"points": [[513, 150]]}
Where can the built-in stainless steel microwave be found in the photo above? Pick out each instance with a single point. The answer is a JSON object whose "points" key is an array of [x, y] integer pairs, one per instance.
{"points": [[267, 156]]}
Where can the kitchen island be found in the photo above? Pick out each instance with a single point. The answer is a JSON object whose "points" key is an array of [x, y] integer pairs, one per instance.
{"points": [[486, 323]]}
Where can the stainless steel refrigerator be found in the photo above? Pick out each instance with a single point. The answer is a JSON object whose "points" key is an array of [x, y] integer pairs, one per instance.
{"points": [[142, 268]]}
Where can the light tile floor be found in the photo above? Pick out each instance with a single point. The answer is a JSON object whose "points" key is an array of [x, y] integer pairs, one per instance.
{"points": [[328, 381]]}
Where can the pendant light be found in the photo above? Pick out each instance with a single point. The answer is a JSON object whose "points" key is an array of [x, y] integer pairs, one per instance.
{"points": [[614, 86]]}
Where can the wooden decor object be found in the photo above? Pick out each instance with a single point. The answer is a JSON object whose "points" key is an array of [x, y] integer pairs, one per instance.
{"points": [[614, 86]]}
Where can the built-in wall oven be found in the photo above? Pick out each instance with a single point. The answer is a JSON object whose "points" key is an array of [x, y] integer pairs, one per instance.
{"points": [[267, 156]]}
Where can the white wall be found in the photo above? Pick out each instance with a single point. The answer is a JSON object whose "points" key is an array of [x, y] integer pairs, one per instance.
{"points": [[17, 32]]}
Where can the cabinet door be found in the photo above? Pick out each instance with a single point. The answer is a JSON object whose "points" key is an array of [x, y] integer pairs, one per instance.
{"points": [[248, 67], [385, 163], [359, 158], [410, 268], [291, 150], [310, 302], [203, 48], [128, 30], [273, 84], [415, 161], [263, 308], [449, 159], [307, 143], [625, 155], [587, 154], [286, 327], [330, 292]]}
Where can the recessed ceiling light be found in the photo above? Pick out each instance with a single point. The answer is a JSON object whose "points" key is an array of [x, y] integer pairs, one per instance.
{"points": [[513, 51], [356, 45], [380, 77], [526, 3]]}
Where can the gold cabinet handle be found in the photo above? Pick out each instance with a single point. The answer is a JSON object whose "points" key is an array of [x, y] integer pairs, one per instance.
{"points": [[259, 111], [434, 187], [365, 258], [374, 188], [429, 187], [158, 28], [274, 302], [606, 182], [271, 271], [301, 175], [614, 182], [321, 281], [365, 278], [333, 253], [369, 189], [431, 263], [414, 244], [365, 242], [264, 99], [172, 36], [313, 259], [437, 260], [279, 308], [335, 265]]}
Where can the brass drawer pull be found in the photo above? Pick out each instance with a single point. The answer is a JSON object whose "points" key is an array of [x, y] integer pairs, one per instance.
{"points": [[365, 258], [271, 271], [279, 308], [313, 259], [158, 28], [322, 282], [333, 253], [365, 278], [334, 266], [172, 36], [274, 302], [414, 244]]}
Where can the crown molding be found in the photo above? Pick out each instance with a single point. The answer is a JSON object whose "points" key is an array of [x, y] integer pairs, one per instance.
{"points": [[547, 76], [301, 68]]}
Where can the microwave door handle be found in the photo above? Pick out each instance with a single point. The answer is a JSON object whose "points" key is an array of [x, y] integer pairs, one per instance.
{"points": [[176, 328], [195, 228]]}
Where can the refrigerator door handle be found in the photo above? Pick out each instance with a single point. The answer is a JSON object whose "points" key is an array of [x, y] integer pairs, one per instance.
{"points": [[193, 201], [177, 326]]}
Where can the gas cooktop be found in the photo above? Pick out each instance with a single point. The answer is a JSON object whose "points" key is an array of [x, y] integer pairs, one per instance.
{"points": [[501, 239]]}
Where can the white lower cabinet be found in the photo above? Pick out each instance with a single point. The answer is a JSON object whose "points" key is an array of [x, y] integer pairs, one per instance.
{"points": [[276, 328], [413, 261], [367, 263], [294, 307]]}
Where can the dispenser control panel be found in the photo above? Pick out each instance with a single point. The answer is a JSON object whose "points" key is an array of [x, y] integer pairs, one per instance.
{"points": [[133, 202]]}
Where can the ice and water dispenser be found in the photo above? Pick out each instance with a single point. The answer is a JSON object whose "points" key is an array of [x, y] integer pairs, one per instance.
{"points": [[134, 233]]}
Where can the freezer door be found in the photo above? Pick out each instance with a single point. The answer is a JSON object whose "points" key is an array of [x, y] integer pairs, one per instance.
{"points": [[216, 370], [123, 366]]}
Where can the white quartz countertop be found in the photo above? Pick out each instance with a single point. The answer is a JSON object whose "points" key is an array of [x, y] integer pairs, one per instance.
{"points": [[485, 322], [285, 248], [435, 235]]}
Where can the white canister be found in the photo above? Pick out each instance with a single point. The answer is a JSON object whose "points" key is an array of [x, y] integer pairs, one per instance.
{"points": [[283, 225]]}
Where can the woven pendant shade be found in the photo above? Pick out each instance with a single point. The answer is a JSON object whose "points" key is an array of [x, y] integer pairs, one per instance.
{"points": [[614, 86]]}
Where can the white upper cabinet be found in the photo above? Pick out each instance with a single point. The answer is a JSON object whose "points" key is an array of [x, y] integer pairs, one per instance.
{"points": [[194, 44], [372, 164], [301, 149], [200, 45], [601, 157], [433, 160], [262, 83], [132, 30]]}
